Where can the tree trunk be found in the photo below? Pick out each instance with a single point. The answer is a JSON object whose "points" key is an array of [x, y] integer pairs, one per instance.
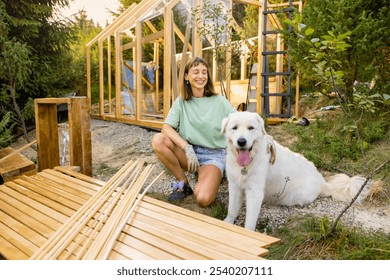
{"points": [[18, 112]]}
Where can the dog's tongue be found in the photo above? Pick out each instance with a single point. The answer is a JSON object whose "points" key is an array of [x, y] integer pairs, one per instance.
{"points": [[243, 158]]}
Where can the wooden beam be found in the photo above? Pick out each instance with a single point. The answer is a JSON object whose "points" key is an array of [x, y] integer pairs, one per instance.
{"points": [[184, 56], [101, 78], [167, 60], [110, 30], [197, 45], [260, 61], [118, 73], [80, 144], [109, 74], [47, 134], [138, 70]]}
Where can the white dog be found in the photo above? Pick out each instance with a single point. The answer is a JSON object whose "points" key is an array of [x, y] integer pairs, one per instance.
{"points": [[268, 172]]}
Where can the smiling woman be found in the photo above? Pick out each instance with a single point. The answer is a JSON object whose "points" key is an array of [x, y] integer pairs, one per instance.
{"points": [[98, 11]]}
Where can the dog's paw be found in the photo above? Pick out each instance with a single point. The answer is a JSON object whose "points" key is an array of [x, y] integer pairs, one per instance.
{"points": [[229, 220]]}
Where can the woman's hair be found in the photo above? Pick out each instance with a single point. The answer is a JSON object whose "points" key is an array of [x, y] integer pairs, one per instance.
{"points": [[186, 87]]}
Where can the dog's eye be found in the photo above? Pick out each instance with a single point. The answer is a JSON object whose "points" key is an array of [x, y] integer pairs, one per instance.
{"points": [[251, 128], [234, 127]]}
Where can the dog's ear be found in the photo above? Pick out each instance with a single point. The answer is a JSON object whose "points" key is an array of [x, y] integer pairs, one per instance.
{"points": [[224, 124], [261, 121], [271, 148]]}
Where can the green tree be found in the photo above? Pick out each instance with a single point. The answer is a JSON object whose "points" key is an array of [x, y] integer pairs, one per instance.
{"points": [[85, 30], [34, 58], [15, 69], [367, 57], [5, 131]]}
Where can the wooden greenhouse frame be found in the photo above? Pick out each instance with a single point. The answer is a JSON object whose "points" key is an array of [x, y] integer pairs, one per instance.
{"points": [[144, 87]]}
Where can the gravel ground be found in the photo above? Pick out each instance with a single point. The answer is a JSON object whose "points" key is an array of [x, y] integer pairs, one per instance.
{"points": [[114, 144]]}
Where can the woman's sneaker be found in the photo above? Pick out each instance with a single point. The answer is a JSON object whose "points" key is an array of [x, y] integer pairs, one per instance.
{"points": [[179, 191]]}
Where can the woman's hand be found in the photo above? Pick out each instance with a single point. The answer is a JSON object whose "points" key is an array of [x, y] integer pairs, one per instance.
{"points": [[193, 163]]}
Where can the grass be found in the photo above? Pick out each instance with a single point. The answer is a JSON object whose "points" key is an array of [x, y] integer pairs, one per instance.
{"points": [[305, 238], [104, 170], [333, 146]]}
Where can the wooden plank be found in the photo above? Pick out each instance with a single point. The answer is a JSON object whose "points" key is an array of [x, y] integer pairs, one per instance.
{"points": [[116, 256], [254, 236], [10, 251], [79, 176], [72, 187], [130, 253], [57, 193], [198, 227], [202, 246], [80, 147], [59, 217], [29, 212], [45, 214], [153, 251], [183, 238], [14, 152], [13, 164], [147, 233], [19, 241], [47, 134], [22, 229], [76, 183], [52, 101]]}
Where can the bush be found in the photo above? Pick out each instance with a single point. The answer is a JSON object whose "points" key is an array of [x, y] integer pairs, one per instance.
{"points": [[5, 131]]}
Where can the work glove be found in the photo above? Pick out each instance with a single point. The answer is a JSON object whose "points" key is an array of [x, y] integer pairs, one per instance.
{"points": [[193, 163]]}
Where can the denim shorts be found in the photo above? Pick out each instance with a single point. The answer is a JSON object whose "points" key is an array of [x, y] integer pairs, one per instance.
{"points": [[211, 156]]}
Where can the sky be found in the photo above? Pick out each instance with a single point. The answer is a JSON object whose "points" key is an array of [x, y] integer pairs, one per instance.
{"points": [[95, 9]]}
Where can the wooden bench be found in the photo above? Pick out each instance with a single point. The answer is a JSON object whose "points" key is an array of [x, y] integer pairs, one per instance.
{"points": [[33, 208]]}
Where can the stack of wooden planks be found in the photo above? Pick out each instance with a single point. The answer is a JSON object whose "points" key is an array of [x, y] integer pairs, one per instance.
{"points": [[35, 210], [13, 164]]}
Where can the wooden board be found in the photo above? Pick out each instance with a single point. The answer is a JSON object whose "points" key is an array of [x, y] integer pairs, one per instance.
{"points": [[33, 208], [15, 165]]}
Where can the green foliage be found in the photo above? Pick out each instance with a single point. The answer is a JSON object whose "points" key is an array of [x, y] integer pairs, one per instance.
{"points": [[307, 238], [321, 55], [84, 31], [127, 3], [5, 130], [364, 22], [15, 70], [334, 143], [215, 25], [366, 100], [34, 56]]}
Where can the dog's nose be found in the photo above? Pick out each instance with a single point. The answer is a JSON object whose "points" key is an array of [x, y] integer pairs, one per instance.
{"points": [[241, 142]]}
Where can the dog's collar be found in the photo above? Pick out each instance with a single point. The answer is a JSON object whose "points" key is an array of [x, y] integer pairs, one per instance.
{"points": [[244, 171]]}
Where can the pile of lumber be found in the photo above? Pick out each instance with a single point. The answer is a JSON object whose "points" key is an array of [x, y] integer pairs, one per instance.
{"points": [[13, 164], [91, 232]]}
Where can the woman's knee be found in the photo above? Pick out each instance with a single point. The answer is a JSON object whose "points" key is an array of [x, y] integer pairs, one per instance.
{"points": [[158, 141], [204, 199]]}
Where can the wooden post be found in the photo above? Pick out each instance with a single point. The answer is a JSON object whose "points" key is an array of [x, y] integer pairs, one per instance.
{"points": [[79, 133], [47, 134]]}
